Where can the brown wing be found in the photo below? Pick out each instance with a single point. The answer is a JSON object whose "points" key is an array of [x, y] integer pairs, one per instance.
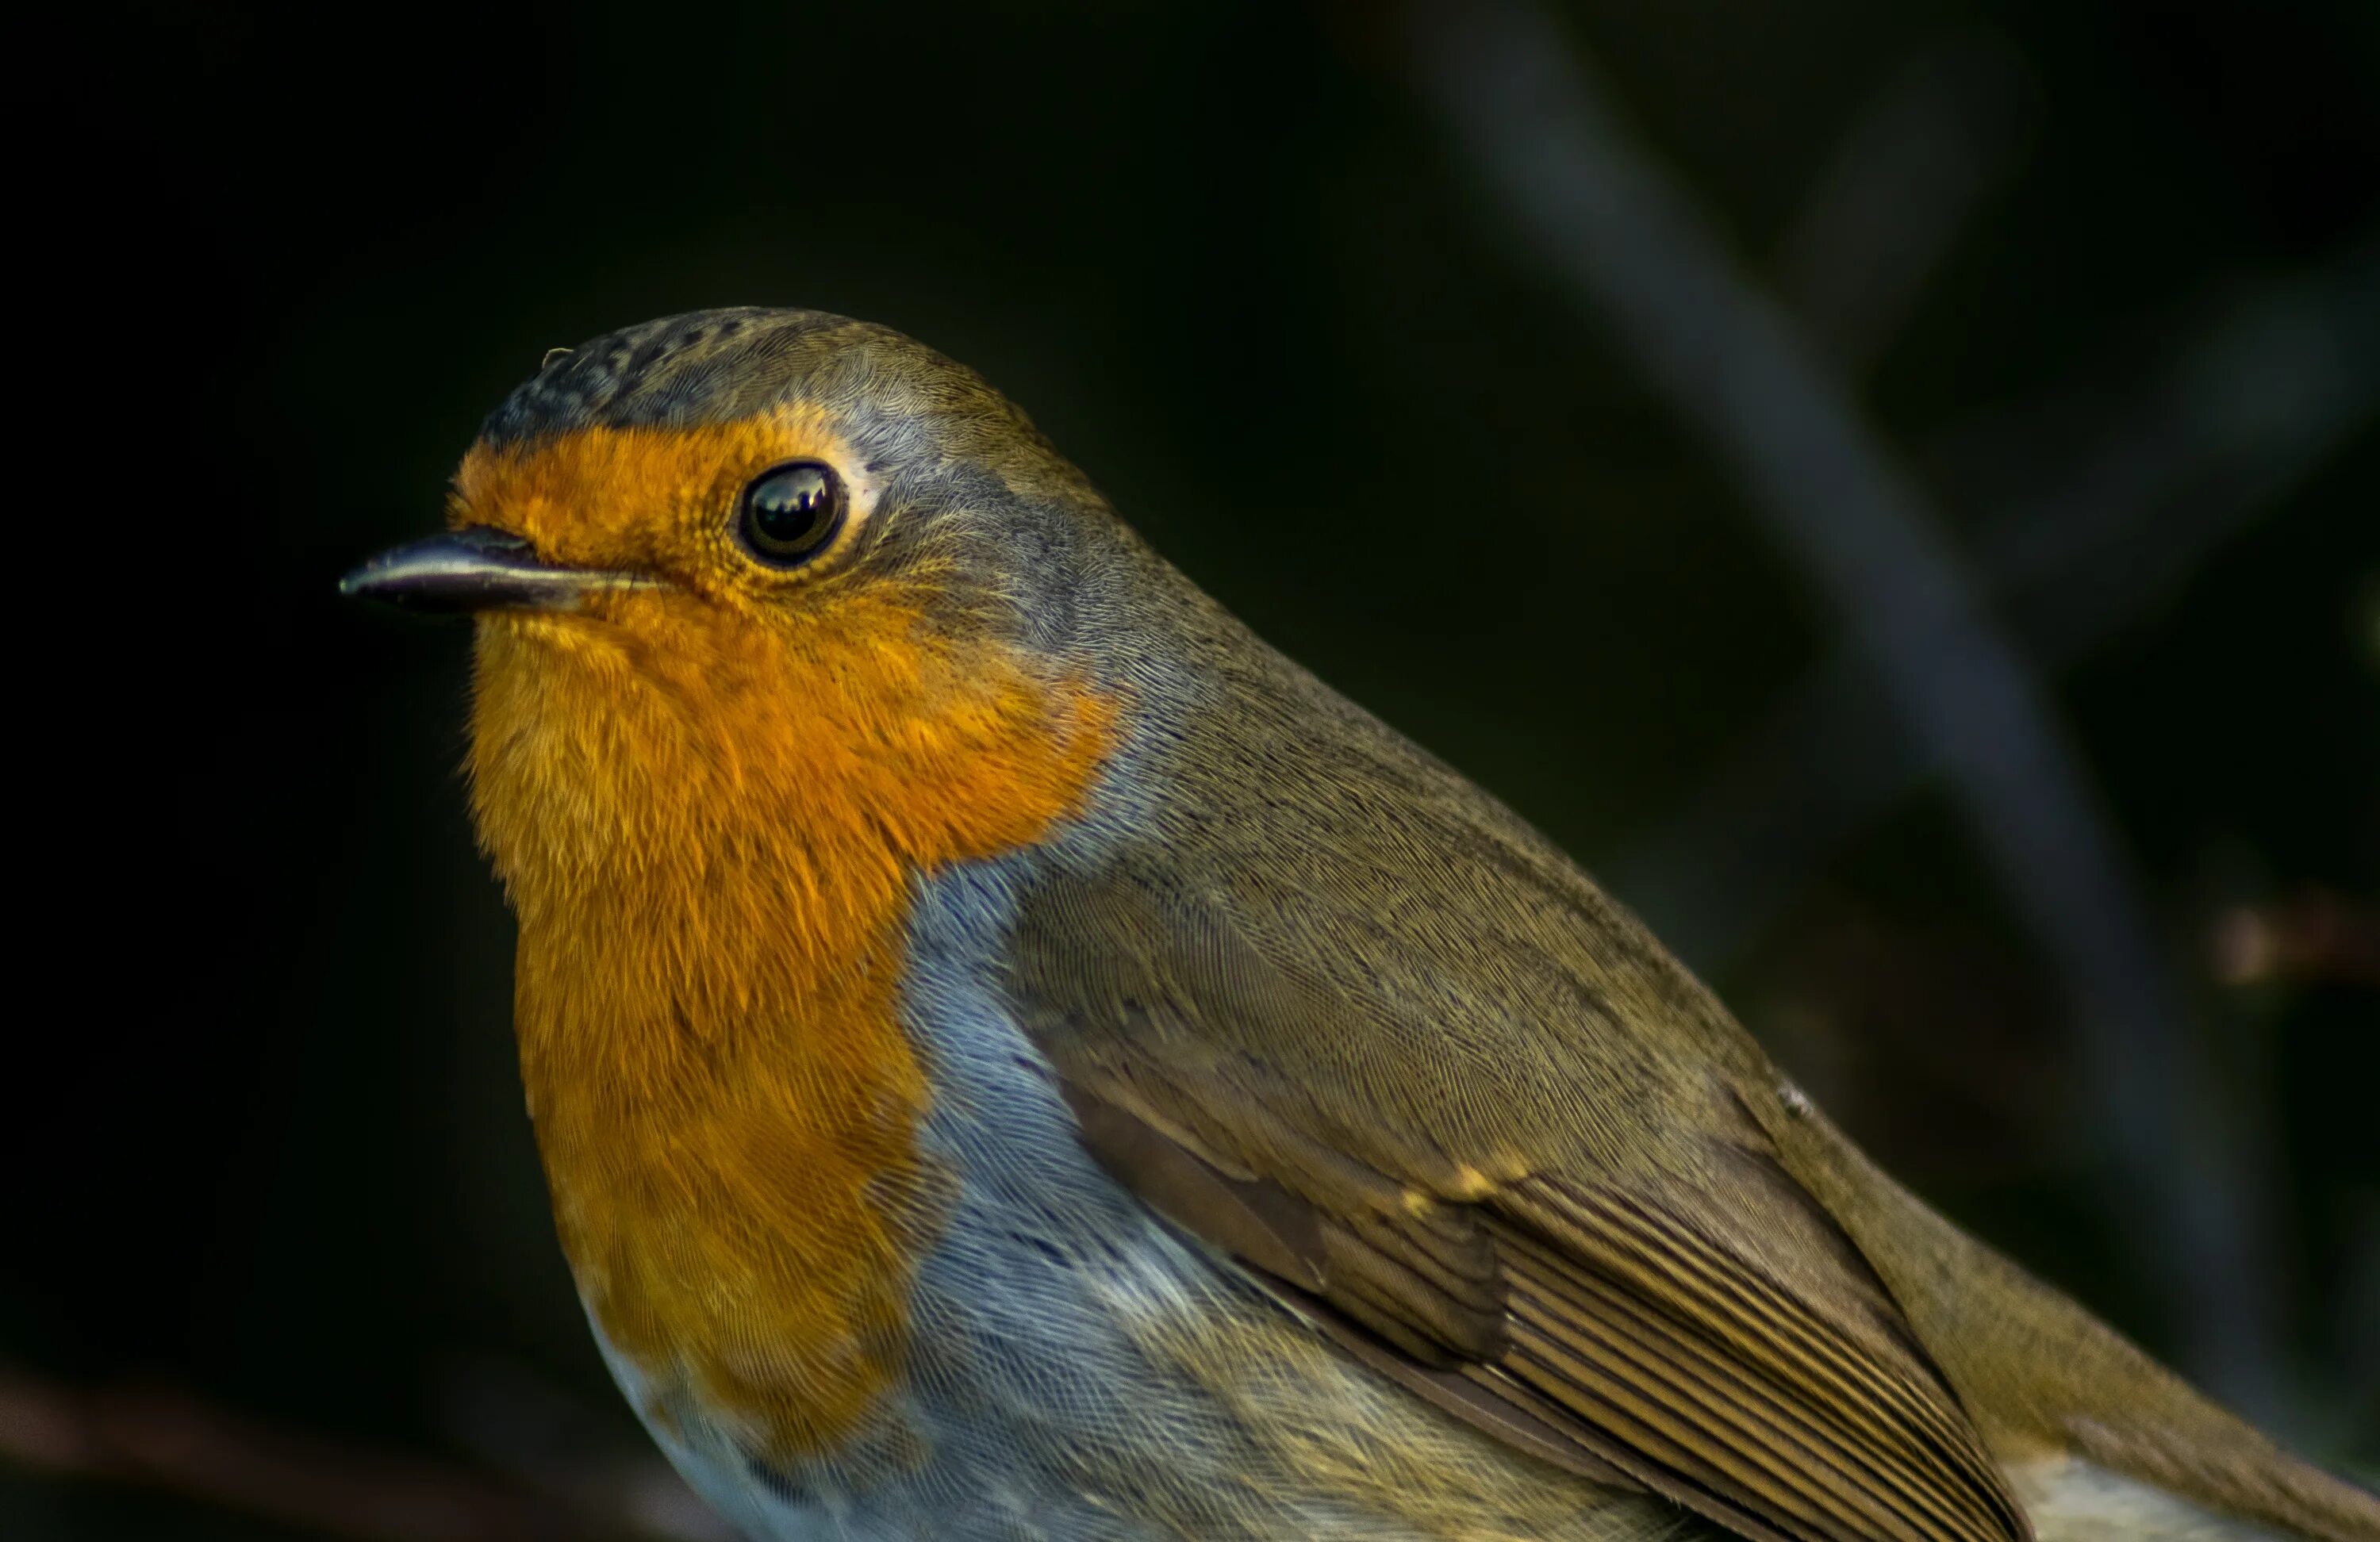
{"points": [[1626, 1285]]}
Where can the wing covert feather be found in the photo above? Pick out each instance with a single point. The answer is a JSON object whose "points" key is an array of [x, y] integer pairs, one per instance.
{"points": [[1693, 1320]]}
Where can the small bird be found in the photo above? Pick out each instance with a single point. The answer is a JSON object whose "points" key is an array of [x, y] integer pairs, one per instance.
{"points": [[1017, 1057]]}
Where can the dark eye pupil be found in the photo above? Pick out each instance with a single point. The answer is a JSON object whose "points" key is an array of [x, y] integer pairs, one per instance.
{"points": [[791, 512]]}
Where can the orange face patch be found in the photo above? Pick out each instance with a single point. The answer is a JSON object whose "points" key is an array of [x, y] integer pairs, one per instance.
{"points": [[654, 499], [707, 801]]}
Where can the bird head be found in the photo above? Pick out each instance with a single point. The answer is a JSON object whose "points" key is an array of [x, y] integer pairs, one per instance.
{"points": [[755, 581], [762, 463]]}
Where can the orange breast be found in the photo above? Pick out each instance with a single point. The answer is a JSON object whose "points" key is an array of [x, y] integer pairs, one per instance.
{"points": [[708, 828]]}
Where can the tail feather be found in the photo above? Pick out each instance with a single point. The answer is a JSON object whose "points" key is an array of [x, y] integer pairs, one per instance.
{"points": [[2048, 1383]]}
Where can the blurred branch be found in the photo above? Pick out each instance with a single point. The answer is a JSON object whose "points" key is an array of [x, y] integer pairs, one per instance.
{"points": [[1599, 216], [2314, 937], [2245, 412], [174, 1443], [522, 1425], [1918, 160]]}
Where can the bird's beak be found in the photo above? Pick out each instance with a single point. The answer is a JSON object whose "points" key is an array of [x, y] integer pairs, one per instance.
{"points": [[476, 568]]}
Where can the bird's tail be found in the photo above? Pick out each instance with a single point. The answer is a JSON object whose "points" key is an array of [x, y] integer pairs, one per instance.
{"points": [[2056, 1392]]}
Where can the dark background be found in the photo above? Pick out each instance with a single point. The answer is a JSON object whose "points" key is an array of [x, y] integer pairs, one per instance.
{"points": [[2100, 277]]}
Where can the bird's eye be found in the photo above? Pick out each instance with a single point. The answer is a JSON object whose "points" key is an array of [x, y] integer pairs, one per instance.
{"points": [[791, 512]]}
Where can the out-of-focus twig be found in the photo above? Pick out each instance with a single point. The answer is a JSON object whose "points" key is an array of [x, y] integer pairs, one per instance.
{"points": [[1917, 162], [2247, 410], [1596, 215], [521, 1425], [2316, 938], [172, 1441]]}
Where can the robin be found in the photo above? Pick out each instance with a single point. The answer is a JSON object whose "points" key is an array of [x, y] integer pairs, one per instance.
{"points": [[1017, 1057]]}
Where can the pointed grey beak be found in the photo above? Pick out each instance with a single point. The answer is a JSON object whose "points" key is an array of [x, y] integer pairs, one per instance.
{"points": [[476, 569]]}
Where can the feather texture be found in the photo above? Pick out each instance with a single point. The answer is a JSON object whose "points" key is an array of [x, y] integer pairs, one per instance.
{"points": [[1605, 1319]]}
